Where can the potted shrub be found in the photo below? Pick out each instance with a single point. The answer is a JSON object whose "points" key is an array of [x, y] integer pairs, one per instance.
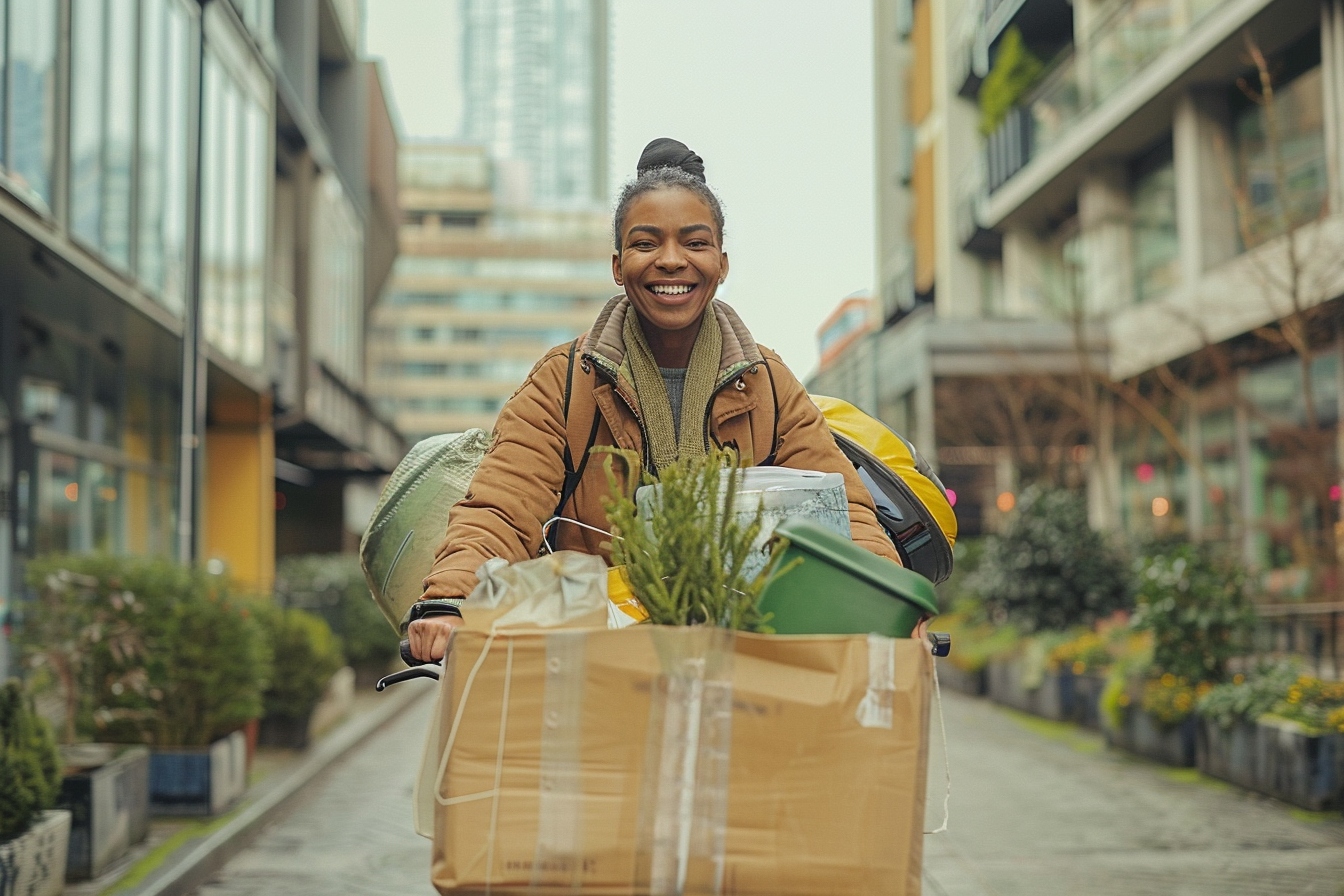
{"points": [[194, 682], [1192, 603], [1279, 732], [33, 836], [1083, 664], [307, 655], [1048, 572], [333, 587], [85, 611]]}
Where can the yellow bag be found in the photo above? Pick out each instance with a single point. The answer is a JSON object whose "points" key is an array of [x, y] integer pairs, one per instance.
{"points": [[912, 504]]}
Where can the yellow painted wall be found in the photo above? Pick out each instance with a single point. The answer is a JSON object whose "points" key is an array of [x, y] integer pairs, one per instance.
{"points": [[240, 491]]}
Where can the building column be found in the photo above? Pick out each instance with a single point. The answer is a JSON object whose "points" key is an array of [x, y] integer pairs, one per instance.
{"points": [[240, 489], [1103, 477], [1206, 221], [1104, 218], [1195, 486], [1024, 274], [1241, 421]]}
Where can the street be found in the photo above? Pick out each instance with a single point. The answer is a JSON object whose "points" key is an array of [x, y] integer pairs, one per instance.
{"points": [[1037, 808]]}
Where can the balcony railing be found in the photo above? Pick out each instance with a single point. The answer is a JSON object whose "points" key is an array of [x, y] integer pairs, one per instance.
{"points": [[1125, 42]]}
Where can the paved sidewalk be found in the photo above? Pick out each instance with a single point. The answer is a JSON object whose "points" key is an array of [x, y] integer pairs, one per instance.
{"points": [[1041, 808], [180, 854]]}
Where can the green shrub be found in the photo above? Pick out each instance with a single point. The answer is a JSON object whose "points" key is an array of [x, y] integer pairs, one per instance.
{"points": [[306, 655], [1015, 71], [30, 771], [333, 587], [1248, 697], [1049, 569], [190, 664], [1194, 603]]}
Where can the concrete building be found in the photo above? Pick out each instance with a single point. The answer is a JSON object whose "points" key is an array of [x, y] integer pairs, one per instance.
{"points": [[535, 76], [190, 194], [1115, 175], [481, 290]]}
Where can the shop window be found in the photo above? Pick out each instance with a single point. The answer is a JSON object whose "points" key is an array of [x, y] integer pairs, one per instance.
{"points": [[1281, 172], [28, 129], [1156, 249]]}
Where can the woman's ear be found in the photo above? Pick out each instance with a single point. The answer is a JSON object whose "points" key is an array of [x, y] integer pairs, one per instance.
{"points": [[723, 270], [616, 268]]}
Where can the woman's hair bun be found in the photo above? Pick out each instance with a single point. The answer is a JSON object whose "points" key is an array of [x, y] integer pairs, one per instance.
{"points": [[668, 153]]}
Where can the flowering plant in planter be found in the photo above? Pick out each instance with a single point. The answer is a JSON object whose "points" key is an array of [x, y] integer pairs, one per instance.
{"points": [[1246, 698], [1171, 699]]}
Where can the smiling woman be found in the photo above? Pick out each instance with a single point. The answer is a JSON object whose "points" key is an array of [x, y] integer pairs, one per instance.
{"points": [[667, 371]]}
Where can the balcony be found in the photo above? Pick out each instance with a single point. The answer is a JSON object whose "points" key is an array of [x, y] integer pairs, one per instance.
{"points": [[1124, 43]]}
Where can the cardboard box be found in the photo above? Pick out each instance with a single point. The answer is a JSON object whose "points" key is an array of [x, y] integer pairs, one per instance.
{"points": [[665, 760]]}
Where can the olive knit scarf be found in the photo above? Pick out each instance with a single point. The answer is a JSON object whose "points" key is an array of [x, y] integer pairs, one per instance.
{"points": [[665, 444]]}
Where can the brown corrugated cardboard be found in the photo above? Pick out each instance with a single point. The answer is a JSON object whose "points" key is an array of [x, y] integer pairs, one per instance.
{"points": [[595, 761]]}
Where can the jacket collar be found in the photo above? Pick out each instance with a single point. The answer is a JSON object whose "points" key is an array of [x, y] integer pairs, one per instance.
{"points": [[605, 344]]}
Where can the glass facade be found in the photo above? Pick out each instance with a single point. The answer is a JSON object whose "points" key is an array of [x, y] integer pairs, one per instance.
{"points": [[1283, 176], [235, 201], [337, 312], [102, 472], [29, 119]]}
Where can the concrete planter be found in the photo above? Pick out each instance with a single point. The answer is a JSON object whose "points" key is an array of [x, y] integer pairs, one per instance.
{"points": [[1306, 770], [33, 864], [284, 731], [198, 780], [1227, 753], [1080, 696], [1005, 686], [108, 799], [1277, 759], [1144, 735], [954, 678]]}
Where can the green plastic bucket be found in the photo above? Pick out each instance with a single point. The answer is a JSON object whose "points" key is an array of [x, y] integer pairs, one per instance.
{"points": [[840, 588]]}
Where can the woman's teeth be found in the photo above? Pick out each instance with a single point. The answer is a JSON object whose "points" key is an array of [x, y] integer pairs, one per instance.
{"points": [[670, 290]]}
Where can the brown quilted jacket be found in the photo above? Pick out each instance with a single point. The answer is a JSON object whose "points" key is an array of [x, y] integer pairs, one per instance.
{"points": [[759, 407]]}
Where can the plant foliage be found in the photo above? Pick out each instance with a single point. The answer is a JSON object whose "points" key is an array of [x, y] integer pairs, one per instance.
{"points": [[685, 565], [200, 660], [1050, 569], [1194, 602], [1015, 71], [30, 772], [333, 587], [306, 655]]}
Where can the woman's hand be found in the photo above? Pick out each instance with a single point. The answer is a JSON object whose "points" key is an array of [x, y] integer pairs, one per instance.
{"points": [[429, 637], [921, 631]]}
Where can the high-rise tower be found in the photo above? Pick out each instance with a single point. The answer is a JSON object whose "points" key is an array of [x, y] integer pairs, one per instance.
{"points": [[535, 86]]}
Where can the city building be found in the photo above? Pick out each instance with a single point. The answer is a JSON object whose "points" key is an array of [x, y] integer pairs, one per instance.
{"points": [[535, 89], [481, 290], [1135, 216], [193, 197]]}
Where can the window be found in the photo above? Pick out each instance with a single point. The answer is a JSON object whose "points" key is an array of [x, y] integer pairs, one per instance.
{"points": [[1283, 180], [1156, 250], [29, 121], [102, 122], [162, 189], [235, 202]]}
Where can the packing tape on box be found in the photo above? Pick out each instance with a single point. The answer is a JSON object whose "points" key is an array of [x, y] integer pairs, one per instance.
{"points": [[875, 708], [558, 858]]}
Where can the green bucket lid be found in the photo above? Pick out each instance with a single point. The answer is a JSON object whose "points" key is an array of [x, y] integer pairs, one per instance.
{"points": [[883, 574]]}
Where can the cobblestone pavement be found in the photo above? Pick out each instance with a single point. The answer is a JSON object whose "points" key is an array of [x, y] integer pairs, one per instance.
{"points": [[352, 834], [1044, 809], [1037, 808]]}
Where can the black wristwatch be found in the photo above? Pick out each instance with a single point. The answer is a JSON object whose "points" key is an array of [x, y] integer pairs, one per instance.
{"points": [[424, 609]]}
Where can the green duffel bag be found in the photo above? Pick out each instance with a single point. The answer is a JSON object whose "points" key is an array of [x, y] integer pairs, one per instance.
{"points": [[408, 525]]}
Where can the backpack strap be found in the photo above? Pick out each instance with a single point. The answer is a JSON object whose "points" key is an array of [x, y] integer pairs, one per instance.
{"points": [[774, 433], [573, 472]]}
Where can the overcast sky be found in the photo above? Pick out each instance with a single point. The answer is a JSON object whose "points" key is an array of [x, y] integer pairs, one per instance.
{"points": [[776, 95]]}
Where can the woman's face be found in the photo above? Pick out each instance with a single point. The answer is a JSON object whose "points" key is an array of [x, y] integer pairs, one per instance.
{"points": [[670, 262]]}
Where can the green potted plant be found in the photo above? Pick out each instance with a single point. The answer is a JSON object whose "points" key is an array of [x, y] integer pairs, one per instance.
{"points": [[85, 611], [333, 587], [1047, 574], [306, 656], [1192, 603], [186, 692], [1278, 731], [33, 835]]}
